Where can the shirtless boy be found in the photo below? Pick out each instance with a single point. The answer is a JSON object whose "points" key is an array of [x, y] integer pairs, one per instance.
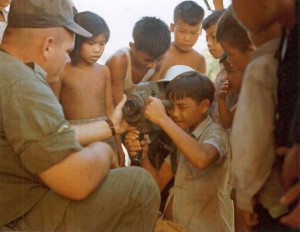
{"points": [[187, 27], [130, 66]]}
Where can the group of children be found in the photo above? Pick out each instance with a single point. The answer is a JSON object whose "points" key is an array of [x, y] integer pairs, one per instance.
{"points": [[207, 164]]}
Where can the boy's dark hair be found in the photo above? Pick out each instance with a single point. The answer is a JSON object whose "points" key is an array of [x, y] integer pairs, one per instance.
{"points": [[212, 19], [191, 84], [94, 24], [152, 36], [230, 31], [189, 12]]}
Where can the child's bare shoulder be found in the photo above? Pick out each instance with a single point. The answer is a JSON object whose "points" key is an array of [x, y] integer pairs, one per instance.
{"points": [[66, 70], [117, 58], [190, 58], [196, 55], [102, 69], [200, 61], [117, 64], [73, 75]]}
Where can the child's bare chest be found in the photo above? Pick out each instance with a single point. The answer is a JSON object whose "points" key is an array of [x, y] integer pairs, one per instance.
{"points": [[85, 83], [188, 58], [137, 75]]}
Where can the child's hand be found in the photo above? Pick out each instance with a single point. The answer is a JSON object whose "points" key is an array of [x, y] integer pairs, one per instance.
{"points": [[133, 144], [292, 219], [291, 165], [224, 90], [251, 219], [154, 110], [132, 134]]}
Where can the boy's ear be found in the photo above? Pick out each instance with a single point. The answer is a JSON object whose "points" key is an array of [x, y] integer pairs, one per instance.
{"points": [[132, 46], [205, 104], [172, 25]]}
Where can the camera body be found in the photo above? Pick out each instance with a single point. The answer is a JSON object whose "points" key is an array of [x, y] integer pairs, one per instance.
{"points": [[133, 110]]}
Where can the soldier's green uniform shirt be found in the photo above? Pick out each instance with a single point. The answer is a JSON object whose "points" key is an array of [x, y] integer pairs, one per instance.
{"points": [[34, 136]]}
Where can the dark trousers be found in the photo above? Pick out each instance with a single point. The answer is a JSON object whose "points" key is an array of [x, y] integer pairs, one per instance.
{"points": [[267, 223]]}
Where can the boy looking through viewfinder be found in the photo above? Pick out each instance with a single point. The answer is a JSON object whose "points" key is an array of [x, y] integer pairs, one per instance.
{"points": [[202, 159]]}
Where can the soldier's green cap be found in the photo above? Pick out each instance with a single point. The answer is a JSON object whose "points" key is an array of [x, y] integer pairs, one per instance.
{"points": [[44, 14]]}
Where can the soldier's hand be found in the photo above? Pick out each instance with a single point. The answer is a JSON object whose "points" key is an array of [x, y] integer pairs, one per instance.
{"points": [[117, 117]]}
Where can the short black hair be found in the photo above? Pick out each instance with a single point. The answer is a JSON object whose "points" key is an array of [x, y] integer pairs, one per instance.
{"points": [[152, 36], [189, 12], [212, 18], [94, 24], [191, 84], [232, 32]]}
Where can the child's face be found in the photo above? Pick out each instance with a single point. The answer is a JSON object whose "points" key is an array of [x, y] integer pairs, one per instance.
{"points": [[5, 3], [93, 48], [234, 76], [187, 113], [143, 61], [185, 36], [234, 56], [214, 47]]}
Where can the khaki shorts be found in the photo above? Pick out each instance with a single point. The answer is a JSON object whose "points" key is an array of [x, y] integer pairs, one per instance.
{"points": [[168, 226]]}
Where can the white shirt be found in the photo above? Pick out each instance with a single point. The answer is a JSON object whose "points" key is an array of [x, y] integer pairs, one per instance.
{"points": [[3, 24], [252, 139]]}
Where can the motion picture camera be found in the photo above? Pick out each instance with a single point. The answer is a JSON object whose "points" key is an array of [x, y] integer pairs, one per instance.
{"points": [[133, 110]]}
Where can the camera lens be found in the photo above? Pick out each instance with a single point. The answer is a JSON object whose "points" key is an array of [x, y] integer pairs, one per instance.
{"points": [[131, 107]]}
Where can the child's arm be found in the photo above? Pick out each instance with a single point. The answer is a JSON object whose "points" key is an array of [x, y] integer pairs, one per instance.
{"points": [[159, 70], [118, 68], [292, 195], [202, 64], [206, 153], [161, 176], [218, 4], [109, 105], [290, 175], [109, 108], [57, 86], [225, 114]]}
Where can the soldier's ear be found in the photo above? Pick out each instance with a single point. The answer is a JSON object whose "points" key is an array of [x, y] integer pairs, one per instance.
{"points": [[48, 47]]}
